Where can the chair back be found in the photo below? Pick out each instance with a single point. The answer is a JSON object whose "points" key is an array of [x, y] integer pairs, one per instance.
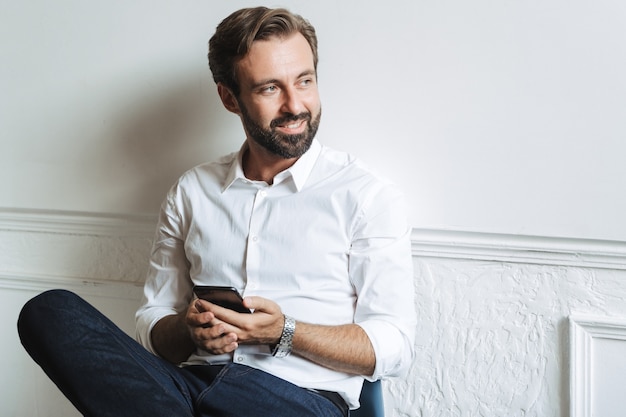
{"points": [[371, 401]]}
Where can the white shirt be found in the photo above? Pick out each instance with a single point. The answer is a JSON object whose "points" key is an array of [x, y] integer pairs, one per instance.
{"points": [[328, 241]]}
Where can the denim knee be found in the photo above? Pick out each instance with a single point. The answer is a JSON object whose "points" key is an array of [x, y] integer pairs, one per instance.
{"points": [[41, 310]]}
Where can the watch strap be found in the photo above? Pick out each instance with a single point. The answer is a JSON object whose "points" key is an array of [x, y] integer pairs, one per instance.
{"points": [[285, 344]]}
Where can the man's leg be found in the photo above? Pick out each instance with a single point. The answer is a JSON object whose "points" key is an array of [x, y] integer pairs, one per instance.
{"points": [[99, 368]]}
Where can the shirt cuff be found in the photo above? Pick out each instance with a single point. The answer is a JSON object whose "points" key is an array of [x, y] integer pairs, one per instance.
{"points": [[393, 349]]}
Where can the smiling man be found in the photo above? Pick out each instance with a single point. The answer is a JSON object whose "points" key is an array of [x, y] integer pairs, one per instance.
{"points": [[278, 102], [317, 244]]}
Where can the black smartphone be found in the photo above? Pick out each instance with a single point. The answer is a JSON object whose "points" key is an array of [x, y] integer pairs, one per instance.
{"points": [[227, 297]]}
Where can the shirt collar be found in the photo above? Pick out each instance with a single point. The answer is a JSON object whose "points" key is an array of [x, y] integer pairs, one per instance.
{"points": [[299, 171]]}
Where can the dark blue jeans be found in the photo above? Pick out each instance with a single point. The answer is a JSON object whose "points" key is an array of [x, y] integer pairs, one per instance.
{"points": [[104, 372]]}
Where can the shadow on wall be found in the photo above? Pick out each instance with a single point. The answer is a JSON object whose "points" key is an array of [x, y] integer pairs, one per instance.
{"points": [[161, 133]]}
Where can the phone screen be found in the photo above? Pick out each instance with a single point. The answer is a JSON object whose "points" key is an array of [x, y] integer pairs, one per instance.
{"points": [[227, 297]]}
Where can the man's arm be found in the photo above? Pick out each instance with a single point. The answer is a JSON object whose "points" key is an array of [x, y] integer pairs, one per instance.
{"points": [[171, 339], [176, 336], [344, 348]]}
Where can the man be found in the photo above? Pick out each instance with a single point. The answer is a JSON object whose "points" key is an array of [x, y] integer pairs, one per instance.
{"points": [[317, 244]]}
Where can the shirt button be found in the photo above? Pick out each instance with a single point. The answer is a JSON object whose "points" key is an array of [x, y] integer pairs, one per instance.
{"points": [[255, 238], [263, 193], [239, 358]]}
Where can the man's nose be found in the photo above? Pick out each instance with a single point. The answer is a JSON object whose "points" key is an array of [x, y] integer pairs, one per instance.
{"points": [[292, 102]]}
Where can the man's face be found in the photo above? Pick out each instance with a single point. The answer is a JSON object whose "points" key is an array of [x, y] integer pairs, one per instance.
{"points": [[279, 102]]}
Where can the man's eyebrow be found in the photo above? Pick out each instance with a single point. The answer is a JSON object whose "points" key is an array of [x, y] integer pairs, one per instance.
{"points": [[307, 73], [268, 81], [263, 83]]}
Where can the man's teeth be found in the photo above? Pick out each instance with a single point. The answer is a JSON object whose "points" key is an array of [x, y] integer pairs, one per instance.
{"points": [[294, 125]]}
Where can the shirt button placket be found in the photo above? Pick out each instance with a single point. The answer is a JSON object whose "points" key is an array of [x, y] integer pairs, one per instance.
{"points": [[253, 252]]}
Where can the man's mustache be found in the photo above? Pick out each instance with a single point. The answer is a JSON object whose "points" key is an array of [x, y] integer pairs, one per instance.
{"points": [[290, 118]]}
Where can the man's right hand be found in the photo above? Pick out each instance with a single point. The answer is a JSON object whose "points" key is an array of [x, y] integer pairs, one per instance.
{"points": [[206, 331]]}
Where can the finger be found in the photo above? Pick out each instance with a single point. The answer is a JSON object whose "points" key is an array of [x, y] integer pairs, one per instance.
{"points": [[225, 315], [199, 319], [225, 343], [202, 305], [260, 304], [199, 314], [211, 331]]}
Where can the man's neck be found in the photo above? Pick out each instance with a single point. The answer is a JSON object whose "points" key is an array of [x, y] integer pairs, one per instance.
{"points": [[261, 165]]}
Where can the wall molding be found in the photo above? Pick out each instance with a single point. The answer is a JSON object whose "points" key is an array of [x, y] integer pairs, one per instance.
{"points": [[431, 243], [576, 252], [80, 223], [583, 330], [91, 253], [84, 286]]}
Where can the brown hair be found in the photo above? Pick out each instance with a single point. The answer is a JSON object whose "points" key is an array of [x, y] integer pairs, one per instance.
{"points": [[234, 36]]}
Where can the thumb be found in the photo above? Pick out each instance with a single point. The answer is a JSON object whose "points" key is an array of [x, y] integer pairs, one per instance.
{"points": [[261, 304]]}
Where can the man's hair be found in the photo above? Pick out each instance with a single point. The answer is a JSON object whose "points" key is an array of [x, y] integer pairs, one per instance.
{"points": [[234, 36]]}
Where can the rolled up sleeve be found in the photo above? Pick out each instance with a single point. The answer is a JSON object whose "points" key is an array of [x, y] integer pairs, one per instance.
{"points": [[381, 269], [168, 287]]}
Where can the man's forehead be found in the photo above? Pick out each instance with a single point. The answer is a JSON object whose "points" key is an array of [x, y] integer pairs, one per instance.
{"points": [[276, 56]]}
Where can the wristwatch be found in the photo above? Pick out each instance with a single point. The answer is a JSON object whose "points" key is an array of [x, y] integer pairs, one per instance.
{"points": [[283, 348]]}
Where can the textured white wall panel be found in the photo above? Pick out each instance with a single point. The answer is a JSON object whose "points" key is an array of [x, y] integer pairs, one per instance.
{"points": [[493, 337]]}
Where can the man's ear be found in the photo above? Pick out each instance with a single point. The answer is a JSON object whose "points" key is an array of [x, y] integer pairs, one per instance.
{"points": [[228, 98]]}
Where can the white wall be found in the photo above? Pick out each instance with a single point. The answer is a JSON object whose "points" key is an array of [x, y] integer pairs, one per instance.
{"points": [[503, 121], [504, 117]]}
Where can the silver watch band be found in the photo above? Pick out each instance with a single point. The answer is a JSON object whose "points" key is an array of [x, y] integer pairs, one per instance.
{"points": [[283, 348]]}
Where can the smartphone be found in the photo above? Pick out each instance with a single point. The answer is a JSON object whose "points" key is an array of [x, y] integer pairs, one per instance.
{"points": [[227, 297]]}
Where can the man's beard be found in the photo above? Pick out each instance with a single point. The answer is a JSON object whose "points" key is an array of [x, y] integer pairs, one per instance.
{"points": [[285, 146]]}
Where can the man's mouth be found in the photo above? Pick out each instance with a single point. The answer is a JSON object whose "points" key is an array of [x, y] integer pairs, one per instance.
{"points": [[291, 125]]}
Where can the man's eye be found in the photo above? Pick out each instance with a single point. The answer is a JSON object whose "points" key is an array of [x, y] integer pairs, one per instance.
{"points": [[269, 89]]}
